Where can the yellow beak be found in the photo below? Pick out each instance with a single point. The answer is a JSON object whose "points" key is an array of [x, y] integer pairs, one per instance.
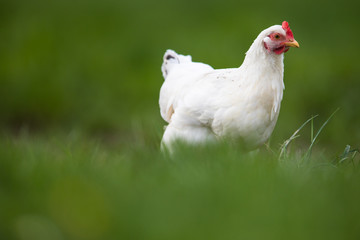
{"points": [[293, 43]]}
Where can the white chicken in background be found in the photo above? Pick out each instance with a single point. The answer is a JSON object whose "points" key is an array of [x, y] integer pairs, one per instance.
{"points": [[203, 104]]}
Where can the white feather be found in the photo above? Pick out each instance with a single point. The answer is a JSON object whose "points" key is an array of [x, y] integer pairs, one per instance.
{"points": [[201, 103]]}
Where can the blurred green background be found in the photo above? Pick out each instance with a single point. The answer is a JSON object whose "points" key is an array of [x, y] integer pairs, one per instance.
{"points": [[80, 125], [95, 65]]}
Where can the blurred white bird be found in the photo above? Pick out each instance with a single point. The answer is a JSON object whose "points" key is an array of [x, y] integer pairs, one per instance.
{"points": [[204, 104]]}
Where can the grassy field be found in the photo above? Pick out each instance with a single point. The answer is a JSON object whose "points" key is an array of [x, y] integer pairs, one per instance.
{"points": [[72, 186], [80, 126]]}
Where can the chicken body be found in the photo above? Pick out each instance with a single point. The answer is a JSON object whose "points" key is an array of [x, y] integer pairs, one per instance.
{"points": [[203, 104]]}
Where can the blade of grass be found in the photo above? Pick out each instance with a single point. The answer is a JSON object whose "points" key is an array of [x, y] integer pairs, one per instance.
{"points": [[353, 157], [286, 143], [308, 152], [345, 154], [312, 130], [348, 154]]}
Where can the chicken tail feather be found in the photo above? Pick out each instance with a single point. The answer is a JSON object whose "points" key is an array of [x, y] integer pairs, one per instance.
{"points": [[171, 59]]}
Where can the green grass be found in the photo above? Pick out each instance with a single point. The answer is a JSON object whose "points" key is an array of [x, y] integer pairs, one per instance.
{"points": [[80, 124], [74, 186], [95, 65]]}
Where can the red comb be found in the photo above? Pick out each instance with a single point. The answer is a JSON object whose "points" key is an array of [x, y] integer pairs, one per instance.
{"points": [[286, 27]]}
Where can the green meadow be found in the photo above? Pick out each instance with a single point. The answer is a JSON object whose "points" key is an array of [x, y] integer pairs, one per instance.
{"points": [[80, 125]]}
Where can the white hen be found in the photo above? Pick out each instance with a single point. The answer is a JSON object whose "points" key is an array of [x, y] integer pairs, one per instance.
{"points": [[202, 104]]}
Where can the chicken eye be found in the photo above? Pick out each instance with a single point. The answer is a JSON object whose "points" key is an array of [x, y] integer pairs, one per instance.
{"points": [[277, 36]]}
